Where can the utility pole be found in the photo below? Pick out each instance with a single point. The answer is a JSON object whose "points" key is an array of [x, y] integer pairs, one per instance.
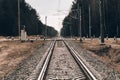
{"points": [[117, 33], [89, 21], [71, 27], [101, 7], [37, 30], [79, 13], [45, 26], [19, 18], [70, 31], [117, 29], [80, 25]]}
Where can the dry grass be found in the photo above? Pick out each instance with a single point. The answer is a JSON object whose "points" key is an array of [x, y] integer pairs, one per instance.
{"points": [[2, 37], [13, 52], [109, 53]]}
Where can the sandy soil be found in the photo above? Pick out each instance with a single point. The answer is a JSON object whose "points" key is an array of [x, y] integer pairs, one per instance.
{"points": [[108, 53], [13, 52]]}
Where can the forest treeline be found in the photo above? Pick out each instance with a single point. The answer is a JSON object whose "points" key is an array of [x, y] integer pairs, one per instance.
{"points": [[28, 18], [111, 18]]}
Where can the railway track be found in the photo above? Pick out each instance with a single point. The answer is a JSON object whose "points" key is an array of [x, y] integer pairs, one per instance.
{"points": [[63, 63]]}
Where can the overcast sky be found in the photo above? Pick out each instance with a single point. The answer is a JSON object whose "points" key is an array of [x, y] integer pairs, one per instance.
{"points": [[55, 10]]}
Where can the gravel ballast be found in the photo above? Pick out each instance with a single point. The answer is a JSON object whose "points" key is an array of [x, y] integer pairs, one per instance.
{"points": [[103, 69], [63, 66]]}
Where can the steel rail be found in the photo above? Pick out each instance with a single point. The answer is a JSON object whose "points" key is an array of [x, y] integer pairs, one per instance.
{"points": [[80, 62], [46, 63], [75, 55]]}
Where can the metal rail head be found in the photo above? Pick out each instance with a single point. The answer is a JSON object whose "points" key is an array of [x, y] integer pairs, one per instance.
{"points": [[46, 63], [76, 56]]}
